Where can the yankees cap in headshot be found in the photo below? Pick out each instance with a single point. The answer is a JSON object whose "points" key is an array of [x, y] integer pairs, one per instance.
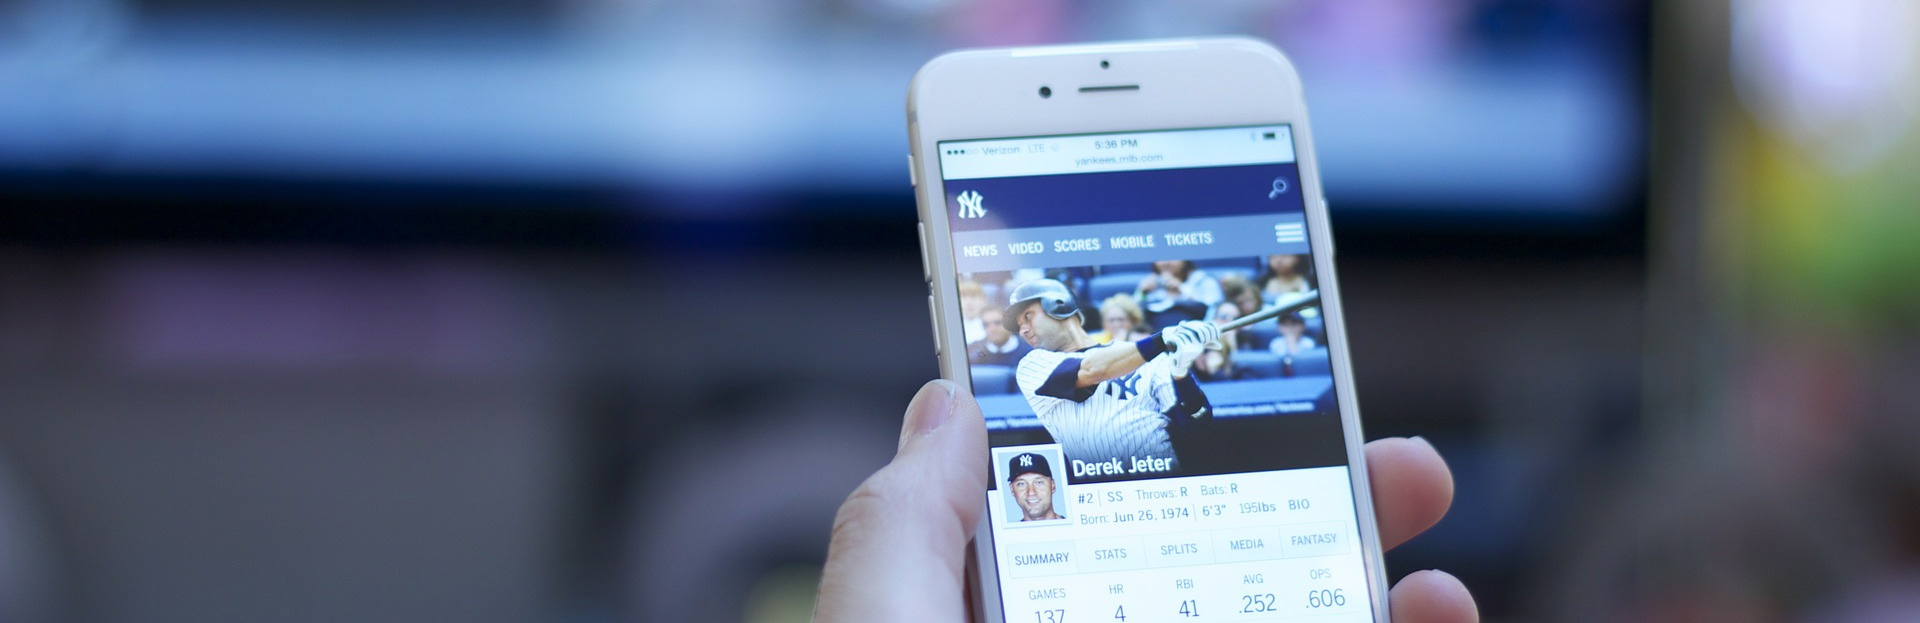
{"points": [[1028, 463]]}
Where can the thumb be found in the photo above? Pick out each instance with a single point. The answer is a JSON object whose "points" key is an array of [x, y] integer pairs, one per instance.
{"points": [[899, 544]]}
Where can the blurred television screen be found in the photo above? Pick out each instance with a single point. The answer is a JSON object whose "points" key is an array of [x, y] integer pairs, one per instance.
{"points": [[1505, 108]]}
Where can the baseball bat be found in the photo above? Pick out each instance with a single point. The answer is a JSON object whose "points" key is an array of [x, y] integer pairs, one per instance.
{"points": [[1281, 306]]}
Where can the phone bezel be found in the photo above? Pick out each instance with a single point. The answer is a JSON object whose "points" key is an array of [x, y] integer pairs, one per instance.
{"points": [[1192, 83]]}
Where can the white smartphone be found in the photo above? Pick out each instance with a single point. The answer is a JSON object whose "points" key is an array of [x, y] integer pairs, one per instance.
{"points": [[1129, 262]]}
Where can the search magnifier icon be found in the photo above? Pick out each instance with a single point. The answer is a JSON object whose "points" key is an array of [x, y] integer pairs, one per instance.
{"points": [[1279, 188]]}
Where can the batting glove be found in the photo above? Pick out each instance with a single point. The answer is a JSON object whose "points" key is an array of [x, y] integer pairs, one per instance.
{"points": [[1188, 340], [1184, 354], [1207, 332]]}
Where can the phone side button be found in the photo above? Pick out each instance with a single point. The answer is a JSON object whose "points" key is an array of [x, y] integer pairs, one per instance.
{"points": [[926, 258], [913, 177], [933, 319]]}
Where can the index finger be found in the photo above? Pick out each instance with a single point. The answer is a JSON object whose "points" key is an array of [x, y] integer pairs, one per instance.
{"points": [[1412, 487]]}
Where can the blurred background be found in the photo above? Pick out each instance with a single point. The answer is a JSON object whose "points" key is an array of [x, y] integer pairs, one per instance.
{"points": [[594, 310]]}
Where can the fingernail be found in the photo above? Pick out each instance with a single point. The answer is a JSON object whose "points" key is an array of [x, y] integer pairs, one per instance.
{"points": [[928, 410], [1421, 440]]}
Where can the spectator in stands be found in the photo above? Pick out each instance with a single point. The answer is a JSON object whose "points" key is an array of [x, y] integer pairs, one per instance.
{"points": [[1225, 312], [1241, 292], [999, 347], [1242, 299], [1293, 338], [1216, 364], [1285, 274], [1120, 319], [973, 298], [1178, 281]]}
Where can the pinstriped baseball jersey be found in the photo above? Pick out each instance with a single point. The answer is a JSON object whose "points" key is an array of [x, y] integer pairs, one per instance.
{"points": [[1120, 418]]}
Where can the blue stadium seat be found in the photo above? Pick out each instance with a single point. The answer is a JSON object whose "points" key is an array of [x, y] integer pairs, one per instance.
{"points": [[1181, 311], [1257, 364], [1312, 363], [1262, 364], [988, 380], [1258, 335], [1245, 266], [1222, 272], [1248, 263], [1316, 324], [1105, 286]]}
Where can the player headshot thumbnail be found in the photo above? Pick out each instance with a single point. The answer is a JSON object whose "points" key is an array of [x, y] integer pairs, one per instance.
{"points": [[1030, 482]]}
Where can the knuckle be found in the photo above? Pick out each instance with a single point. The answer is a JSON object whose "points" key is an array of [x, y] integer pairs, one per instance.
{"points": [[861, 509]]}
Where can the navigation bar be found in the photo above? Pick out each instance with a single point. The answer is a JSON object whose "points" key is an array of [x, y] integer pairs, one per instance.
{"points": [[1178, 549], [1120, 151], [1126, 243]]}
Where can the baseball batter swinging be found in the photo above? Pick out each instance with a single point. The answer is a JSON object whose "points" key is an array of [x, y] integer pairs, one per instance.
{"points": [[1107, 406]]}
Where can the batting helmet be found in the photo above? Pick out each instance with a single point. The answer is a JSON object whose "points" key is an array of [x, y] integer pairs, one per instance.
{"points": [[1054, 299]]}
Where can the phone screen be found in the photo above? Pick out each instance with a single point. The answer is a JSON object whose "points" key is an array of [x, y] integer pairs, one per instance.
{"points": [[1153, 483]]}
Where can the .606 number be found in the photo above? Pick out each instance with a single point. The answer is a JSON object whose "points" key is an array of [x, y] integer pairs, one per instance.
{"points": [[1326, 598]]}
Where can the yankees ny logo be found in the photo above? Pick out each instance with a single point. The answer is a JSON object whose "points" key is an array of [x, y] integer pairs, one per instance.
{"points": [[970, 205], [1026, 460], [1123, 387]]}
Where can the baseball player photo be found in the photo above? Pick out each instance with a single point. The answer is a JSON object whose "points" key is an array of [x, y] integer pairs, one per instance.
{"points": [[1030, 492], [1107, 406]]}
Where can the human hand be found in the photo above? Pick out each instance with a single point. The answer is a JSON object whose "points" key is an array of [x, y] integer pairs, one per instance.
{"points": [[1186, 341], [899, 544], [1206, 333]]}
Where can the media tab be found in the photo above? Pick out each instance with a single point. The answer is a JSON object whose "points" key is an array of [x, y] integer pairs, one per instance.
{"points": [[1257, 543]]}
